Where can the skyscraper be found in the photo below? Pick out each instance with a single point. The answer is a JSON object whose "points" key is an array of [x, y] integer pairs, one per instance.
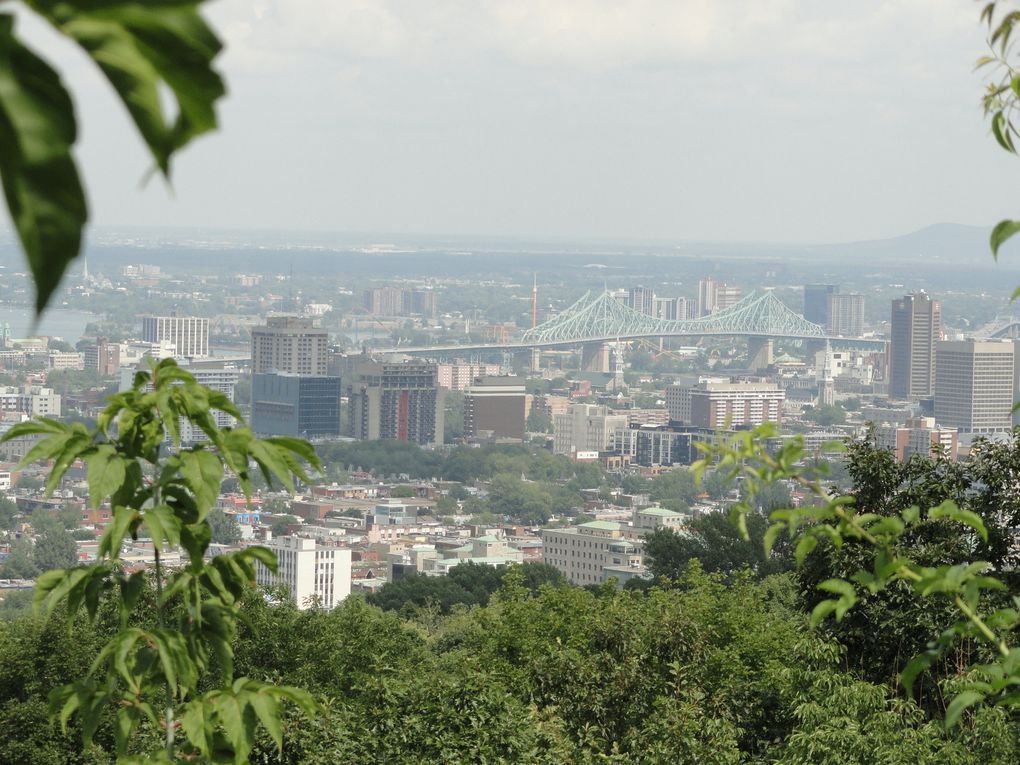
{"points": [[189, 334], [974, 385], [289, 345], [399, 402], [641, 299], [845, 315], [706, 296], [495, 405], [916, 326], [816, 302]]}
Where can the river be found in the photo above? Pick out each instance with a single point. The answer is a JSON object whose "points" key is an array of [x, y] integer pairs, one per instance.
{"points": [[65, 323]]}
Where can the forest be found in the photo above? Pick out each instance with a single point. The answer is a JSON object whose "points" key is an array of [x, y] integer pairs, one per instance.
{"points": [[713, 662]]}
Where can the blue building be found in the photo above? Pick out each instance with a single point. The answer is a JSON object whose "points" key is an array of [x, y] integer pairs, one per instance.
{"points": [[306, 406]]}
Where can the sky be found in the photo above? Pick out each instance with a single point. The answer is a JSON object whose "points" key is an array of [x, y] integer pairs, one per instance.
{"points": [[727, 120]]}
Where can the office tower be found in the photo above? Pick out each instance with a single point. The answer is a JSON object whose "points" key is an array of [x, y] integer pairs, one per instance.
{"points": [[816, 302], [400, 402], [586, 428], [494, 407], [726, 296], [915, 328], [845, 315], [289, 345], [974, 385], [316, 575], [706, 296], [189, 334], [641, 299], [712, 404], [304, 406]]}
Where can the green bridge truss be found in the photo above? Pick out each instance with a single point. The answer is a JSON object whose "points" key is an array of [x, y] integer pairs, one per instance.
{"points": [[598, 316]]}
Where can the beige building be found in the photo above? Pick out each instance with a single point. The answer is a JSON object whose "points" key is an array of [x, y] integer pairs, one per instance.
{"points": [[591, 553], [915, 328], [974, 385], [918, 436], [289, 345], [713, 404], [586, 428]]}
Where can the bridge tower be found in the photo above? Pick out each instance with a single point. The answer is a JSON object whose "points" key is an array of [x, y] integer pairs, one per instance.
{"points": [[760, 353], [595, 357]]}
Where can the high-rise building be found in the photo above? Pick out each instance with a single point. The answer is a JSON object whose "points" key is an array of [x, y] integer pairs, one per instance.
{"points": [[397, 301], [586, 428], [400, 402], [726, 296], [668, 308], [713, 404], [459, 375], [220, 377], [494, 407], [706, 296], [816, 302], [974, 385], [289, 345], [304, 406], [317, 576], [845, 315], [189, 334], [916, 327], [641, 299], [918, 435], [103, 357]]}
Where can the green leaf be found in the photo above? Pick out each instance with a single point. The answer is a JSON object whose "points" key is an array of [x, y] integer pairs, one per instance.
{"points": [[822, 610], [141, 48], [268, 710], [40, 180], [959, 704], [163, 525], [113, 537], [916, 666], [804, 547], [203, 472], [1003, 230], [106, 473]]}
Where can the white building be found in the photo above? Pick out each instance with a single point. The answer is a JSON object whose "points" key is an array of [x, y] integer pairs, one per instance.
{"points": [[586, 428], [189, 333], [315, 575], [584, 553]]}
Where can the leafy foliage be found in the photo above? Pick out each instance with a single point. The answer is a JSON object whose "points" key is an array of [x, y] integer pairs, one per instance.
{"points": [[176, 674], [843, 521], [141, 49]]}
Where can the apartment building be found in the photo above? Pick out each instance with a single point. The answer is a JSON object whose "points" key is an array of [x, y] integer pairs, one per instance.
{"points": [[316, 575]]}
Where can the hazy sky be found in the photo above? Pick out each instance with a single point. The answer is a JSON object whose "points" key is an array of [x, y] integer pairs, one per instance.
{"points": [[792, 120]]}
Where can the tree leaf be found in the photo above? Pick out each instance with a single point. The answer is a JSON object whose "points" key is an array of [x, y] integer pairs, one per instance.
{"points": [[959, 704], [1003, 230], [41, 184], [105, 473], [203, 472], [142, 47]]}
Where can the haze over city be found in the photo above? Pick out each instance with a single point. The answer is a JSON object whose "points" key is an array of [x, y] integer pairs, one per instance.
{"points": [[639, 120]]}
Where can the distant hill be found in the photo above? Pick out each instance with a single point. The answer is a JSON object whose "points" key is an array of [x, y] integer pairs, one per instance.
{"points": [[942, 242]]}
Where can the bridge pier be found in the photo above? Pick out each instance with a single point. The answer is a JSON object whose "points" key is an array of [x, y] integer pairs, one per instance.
{"points": [[759, 353], [595, 357]]}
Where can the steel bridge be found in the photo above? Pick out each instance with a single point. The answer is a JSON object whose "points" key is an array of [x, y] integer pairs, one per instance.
{"points": [[597, 317]]}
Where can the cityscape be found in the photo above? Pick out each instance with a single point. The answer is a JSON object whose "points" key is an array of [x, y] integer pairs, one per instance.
{"points": [[610, 382]]}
